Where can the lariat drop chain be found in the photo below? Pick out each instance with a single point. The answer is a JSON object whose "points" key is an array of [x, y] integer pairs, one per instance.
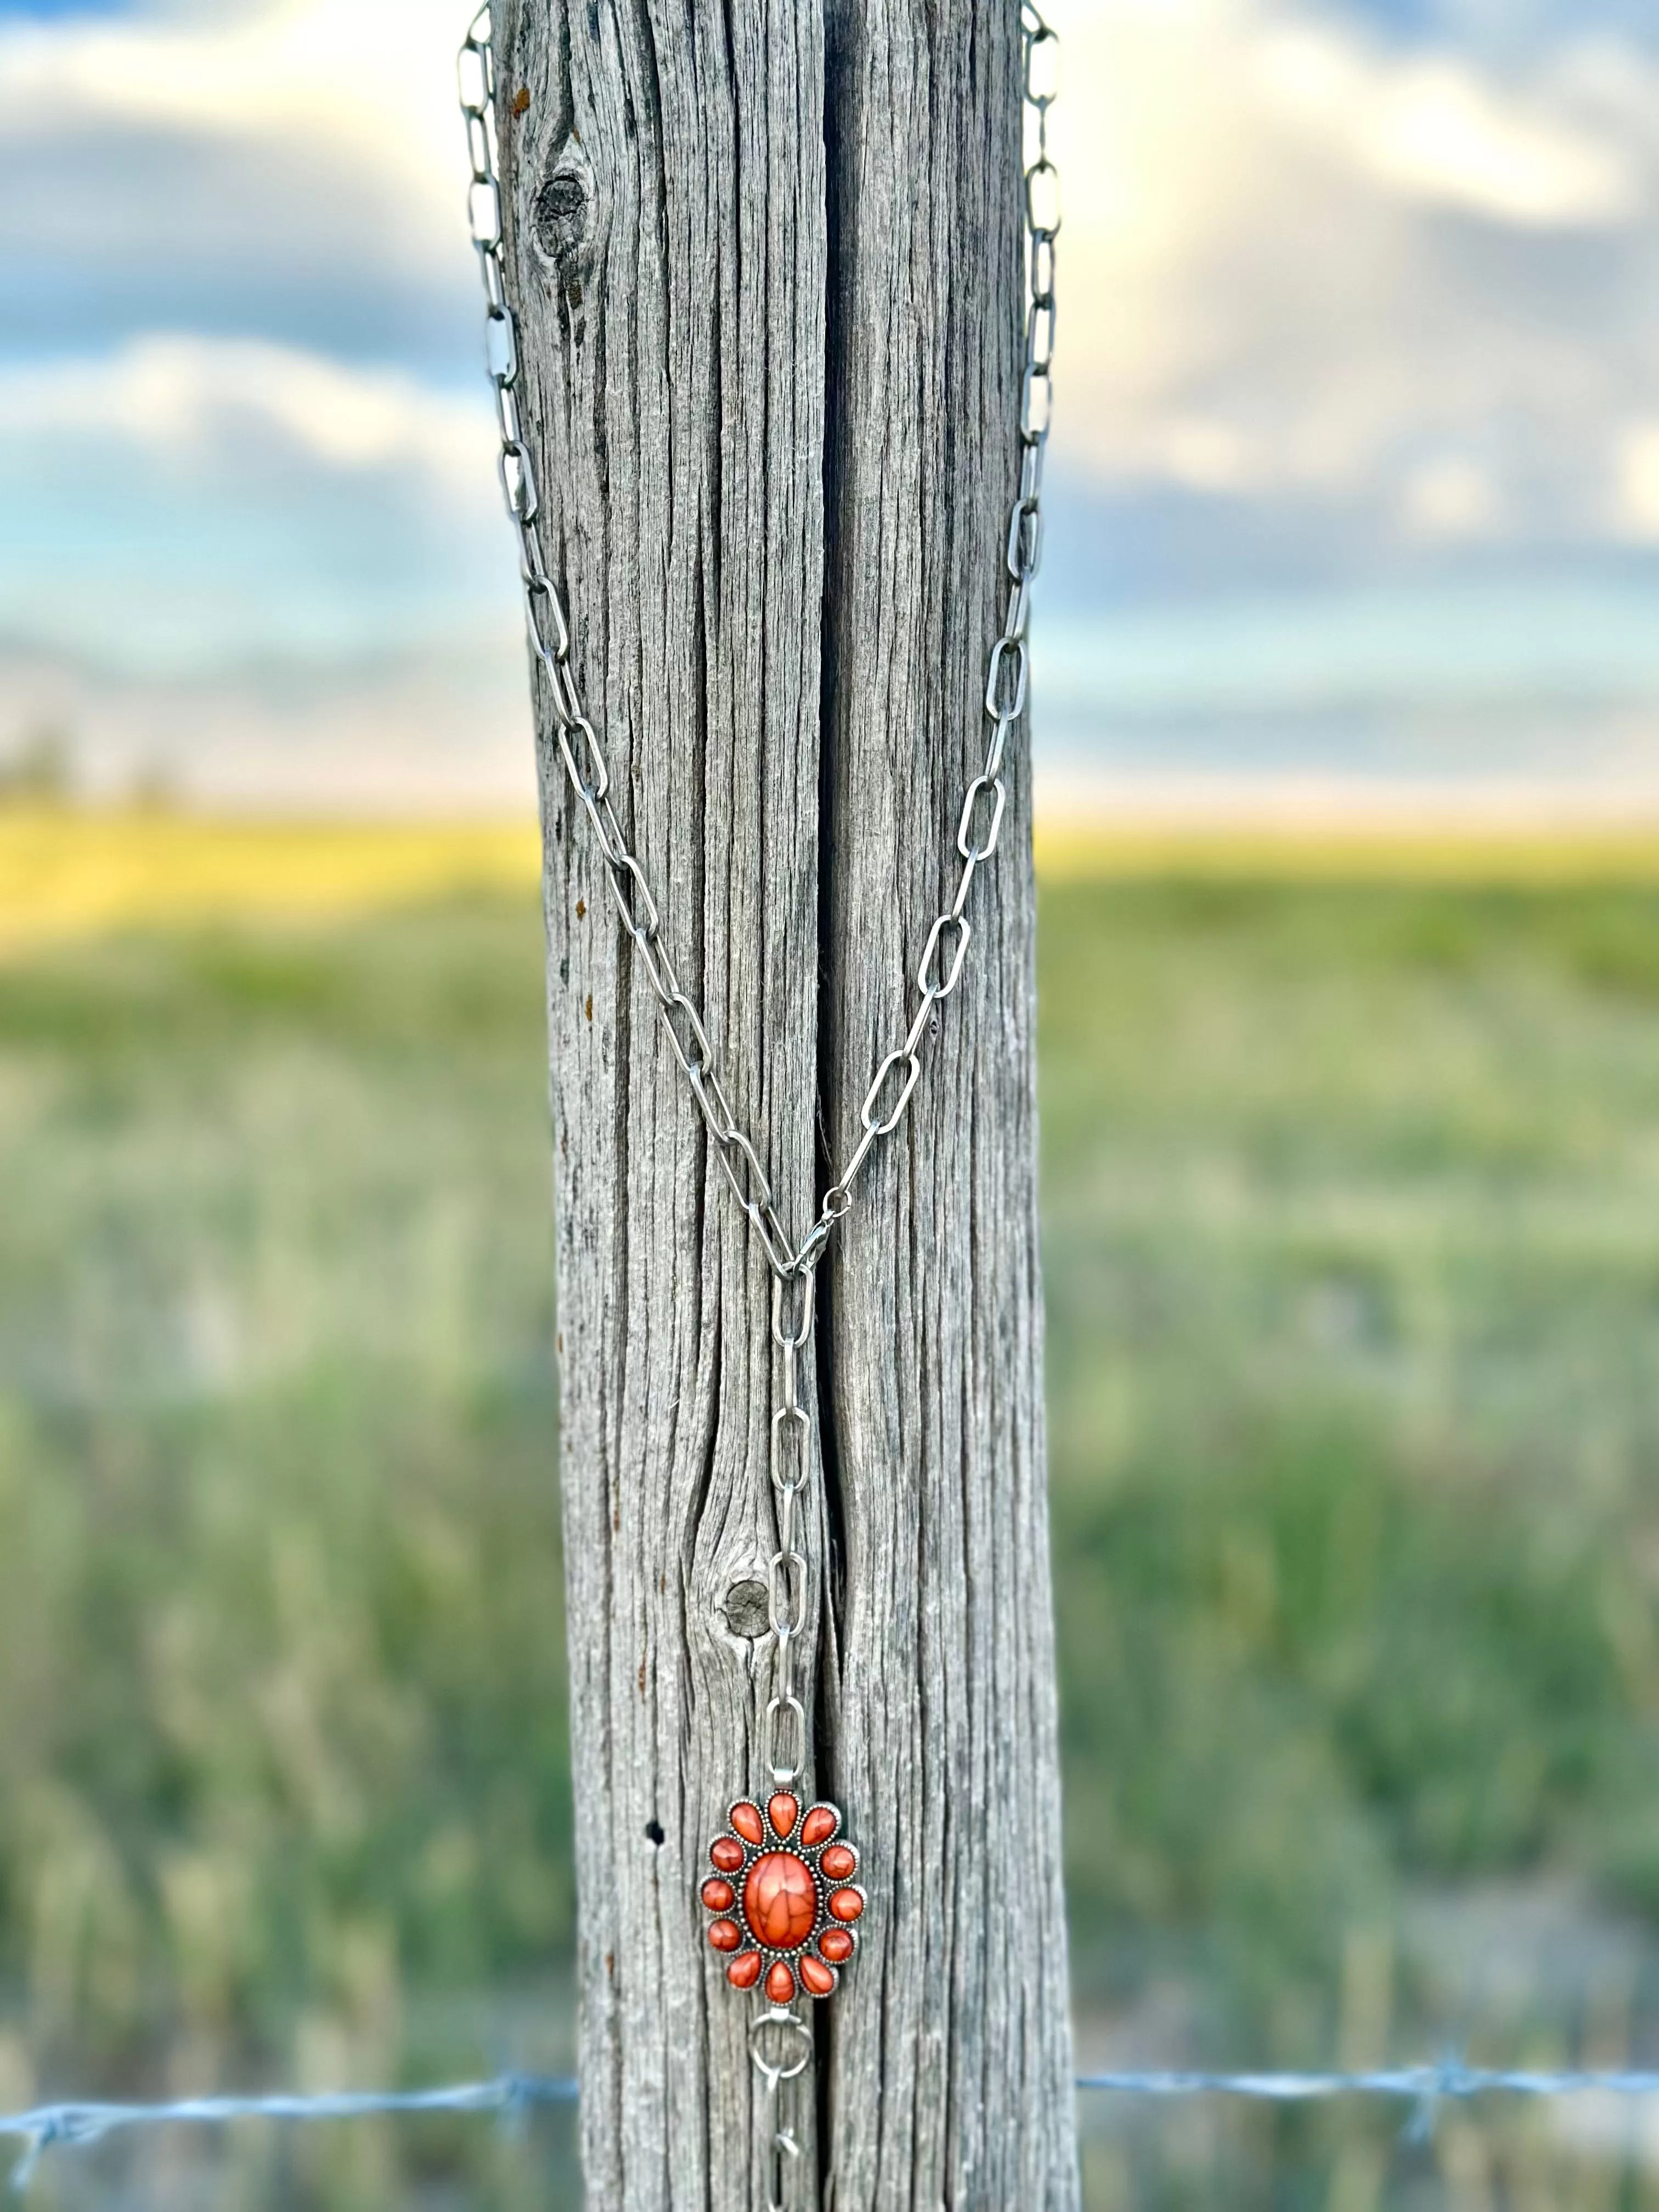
{"points": [[780, 2042]]}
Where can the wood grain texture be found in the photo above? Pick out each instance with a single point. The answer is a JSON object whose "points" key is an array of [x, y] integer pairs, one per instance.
{"points": [[767, 262]]}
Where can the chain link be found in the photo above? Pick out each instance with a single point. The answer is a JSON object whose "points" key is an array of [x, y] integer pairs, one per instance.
{"points": [[783, 1733], [546, 622]]}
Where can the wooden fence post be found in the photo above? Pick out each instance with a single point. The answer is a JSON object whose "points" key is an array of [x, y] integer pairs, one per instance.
{"points": [[766, 256]]}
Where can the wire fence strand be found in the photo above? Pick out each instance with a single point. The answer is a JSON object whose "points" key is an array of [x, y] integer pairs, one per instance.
{"points": [[47, 2127]]}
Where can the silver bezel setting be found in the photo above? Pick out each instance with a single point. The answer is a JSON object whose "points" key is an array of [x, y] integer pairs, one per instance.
{"points": [[811, 1857]]}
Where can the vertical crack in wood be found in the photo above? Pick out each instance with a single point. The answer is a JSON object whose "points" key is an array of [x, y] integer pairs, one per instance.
{"points": [[826, 1704]]}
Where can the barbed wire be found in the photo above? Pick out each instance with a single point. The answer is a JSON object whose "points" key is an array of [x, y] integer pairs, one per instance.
{"points": [[1423, 2087], [48, 2127]]}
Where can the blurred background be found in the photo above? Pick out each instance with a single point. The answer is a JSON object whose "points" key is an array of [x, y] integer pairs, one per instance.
{"points": [[1347, 744]]}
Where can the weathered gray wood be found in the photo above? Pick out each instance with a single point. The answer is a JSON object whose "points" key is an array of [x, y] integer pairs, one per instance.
{"points": [[728, 227]]}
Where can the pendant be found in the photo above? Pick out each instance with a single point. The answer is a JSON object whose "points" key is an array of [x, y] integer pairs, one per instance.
{"points": [[784, 1899]]}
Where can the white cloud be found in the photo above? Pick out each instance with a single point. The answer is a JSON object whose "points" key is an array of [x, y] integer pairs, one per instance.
{"points": [[376, 79], [1301, 265], [296, 170], [1636, 468], [234, 258], [1451, 498], [1207, 455], [1432, 130], [183, 396], [191, 503]]}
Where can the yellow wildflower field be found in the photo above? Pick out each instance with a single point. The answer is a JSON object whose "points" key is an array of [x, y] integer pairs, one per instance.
{"points": [[1267, 852], [66, 873]]}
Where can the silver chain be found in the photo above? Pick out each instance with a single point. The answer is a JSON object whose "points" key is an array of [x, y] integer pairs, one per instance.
{"points": [[979, 823], [978, 826], [783, 1735]]}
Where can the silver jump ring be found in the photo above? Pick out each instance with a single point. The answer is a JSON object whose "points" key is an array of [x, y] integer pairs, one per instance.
{"points": [[785, 2069]]}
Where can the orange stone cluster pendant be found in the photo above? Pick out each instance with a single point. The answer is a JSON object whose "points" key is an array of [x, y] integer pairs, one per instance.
{"points": [[783, 1897]]}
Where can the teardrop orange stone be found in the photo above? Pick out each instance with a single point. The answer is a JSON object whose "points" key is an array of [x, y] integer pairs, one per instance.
{"points": [[725, 1934], [816, 1976], [779, 1984], [746, 1819], [782, 1811], [820, 1824], [743, 1972], [836, 1943], [846, 1904], [839, 1863], [726, 1852], [718, 1895]]}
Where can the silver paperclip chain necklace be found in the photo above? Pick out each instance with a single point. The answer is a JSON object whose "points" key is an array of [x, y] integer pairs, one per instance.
{"points": [[782, 1892]]}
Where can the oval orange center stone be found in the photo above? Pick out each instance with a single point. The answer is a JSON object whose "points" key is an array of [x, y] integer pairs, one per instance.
{"points": [[780, 1901]]}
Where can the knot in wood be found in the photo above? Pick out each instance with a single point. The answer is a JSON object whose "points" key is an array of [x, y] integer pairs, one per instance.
{"points": [[563, 212], [746, 1608]]}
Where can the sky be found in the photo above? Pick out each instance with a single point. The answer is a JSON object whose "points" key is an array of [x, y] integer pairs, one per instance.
{"points": [[1356, 469]]}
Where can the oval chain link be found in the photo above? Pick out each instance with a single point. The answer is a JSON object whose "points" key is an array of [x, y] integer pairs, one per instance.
{"points": [[1007, 670]]}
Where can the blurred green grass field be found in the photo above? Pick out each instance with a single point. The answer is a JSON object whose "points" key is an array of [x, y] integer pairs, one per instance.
{"points": [[1351, 1224]]}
